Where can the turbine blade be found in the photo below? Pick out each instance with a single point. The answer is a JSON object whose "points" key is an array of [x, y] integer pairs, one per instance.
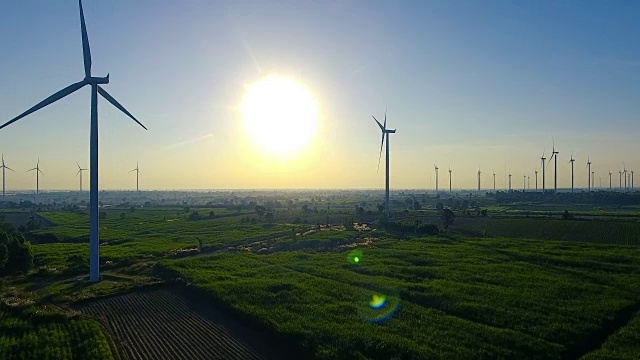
{"points": [[40, 171], [31, 169], [51, 99], [79, 168], [78, 173], [9, 168], [385, 119], [380, 156], [378, 122], [86, 51], [115, 103], [132, 170]]}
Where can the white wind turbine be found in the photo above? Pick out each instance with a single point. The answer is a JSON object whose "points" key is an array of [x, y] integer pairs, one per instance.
{"points": [[3, 175], [38, 172], [385, 134], [94, 82], [80, 170], [137, 170]]}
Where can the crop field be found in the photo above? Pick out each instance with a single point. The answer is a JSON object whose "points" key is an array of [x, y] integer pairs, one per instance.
{"points": [[593, 231], [160, 325], [623, 344], [440, 298], [39, 333]]}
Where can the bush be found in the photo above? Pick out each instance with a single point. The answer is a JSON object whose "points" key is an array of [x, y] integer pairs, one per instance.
{"points": [[16, 255]]}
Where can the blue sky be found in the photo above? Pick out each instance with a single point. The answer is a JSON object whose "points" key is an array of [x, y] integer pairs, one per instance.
{"points": [[468, 84]]}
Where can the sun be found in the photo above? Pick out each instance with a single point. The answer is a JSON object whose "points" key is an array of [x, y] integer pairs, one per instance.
{"points": [[279, 114]]}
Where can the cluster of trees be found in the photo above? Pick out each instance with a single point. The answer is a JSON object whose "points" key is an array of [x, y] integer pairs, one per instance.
{"points": [[196, 215], [416, 227], [16, 254]]}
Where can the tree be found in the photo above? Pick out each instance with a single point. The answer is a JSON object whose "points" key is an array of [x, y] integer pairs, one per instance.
{"points": [[212, 214], [200, 244], [132, 209], [103, 215], [194, 216], [439, 206], [122, 216], [567, 215], [447, 216], [186, 209], [417, 206], [4, 257], [260, 210], [269, 217], [380, 208], [483, 212]]}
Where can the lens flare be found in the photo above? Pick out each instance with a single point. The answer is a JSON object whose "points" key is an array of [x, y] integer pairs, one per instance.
{"points": [[355, 257], [379, 306]]}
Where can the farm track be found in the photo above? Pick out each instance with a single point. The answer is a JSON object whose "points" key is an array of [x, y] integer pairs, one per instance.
{"points": [[159, 324]]}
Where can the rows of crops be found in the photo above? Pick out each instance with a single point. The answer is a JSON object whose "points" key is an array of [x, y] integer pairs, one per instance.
{"points": [[624, 344], [159, 325], [40, 333], [594, 231], [442, 298]]}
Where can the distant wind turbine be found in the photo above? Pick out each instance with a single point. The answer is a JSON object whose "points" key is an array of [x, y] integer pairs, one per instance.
{"points": [[593, 180], [620, 172], [494, 182], [3, 175], [542, 158], [478, 179], [449, 179], [524, 183], [137, 170], [609, 179], [554, 155], [624, 172], [632, 179], [94, 82], [435, 166], [38, 172], [80, 170], [509, 182], [572, 161], [536, 179], [589, 174], [385, 134]]}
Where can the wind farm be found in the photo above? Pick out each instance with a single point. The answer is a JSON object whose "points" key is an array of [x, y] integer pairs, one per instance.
{"points": [[264, 228]]}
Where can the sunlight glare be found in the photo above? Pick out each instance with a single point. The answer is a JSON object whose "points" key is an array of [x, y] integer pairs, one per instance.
{"points": [[280, 114]]}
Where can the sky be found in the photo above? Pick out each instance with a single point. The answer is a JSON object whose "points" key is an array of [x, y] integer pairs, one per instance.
{"points": [[467, 85]]}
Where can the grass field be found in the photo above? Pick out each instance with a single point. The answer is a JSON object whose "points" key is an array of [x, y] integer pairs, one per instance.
{"points": [[28, 332], [452, 298]]}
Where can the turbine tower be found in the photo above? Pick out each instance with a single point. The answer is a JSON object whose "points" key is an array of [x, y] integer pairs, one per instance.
{"points": [[593, 180], [3, 175], [436, 167], [589, 174], [620, 178], [554, 155], [38, 172], [478, 179], [137, 170], [80, 170], [509, 182], [609, 179], [385, 134], [93, 82], [449, 179], [524, 183], [631, 179], [494, 182], [572, 161], [536, 179], [542, 158], [624, 172]]}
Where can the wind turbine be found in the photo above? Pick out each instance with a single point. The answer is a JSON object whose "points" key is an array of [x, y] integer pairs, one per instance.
{"points": [[524, 183], [624, 172], [536, 179], [80, 170], [542, 158], [38, 172], [589, 174], [449, 179], [528, 182], [620, 172], [385, 133], [478, 179], [509, 182], [3, 175], [494, 182], [593, 180], [137, 170], [94, 82], [436, 167], [572, 161], [609, 179], [554, 155], [632, 179]]}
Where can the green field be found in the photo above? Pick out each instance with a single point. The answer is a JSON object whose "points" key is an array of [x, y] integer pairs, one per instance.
{"points": [[27, 332], [452, 298]]}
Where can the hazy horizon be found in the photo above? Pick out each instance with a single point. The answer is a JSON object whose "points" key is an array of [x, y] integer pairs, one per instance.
{"points": [[466, 84]]}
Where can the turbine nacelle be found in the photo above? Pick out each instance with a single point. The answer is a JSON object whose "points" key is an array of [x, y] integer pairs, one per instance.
{"points": [[97, 80]]}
